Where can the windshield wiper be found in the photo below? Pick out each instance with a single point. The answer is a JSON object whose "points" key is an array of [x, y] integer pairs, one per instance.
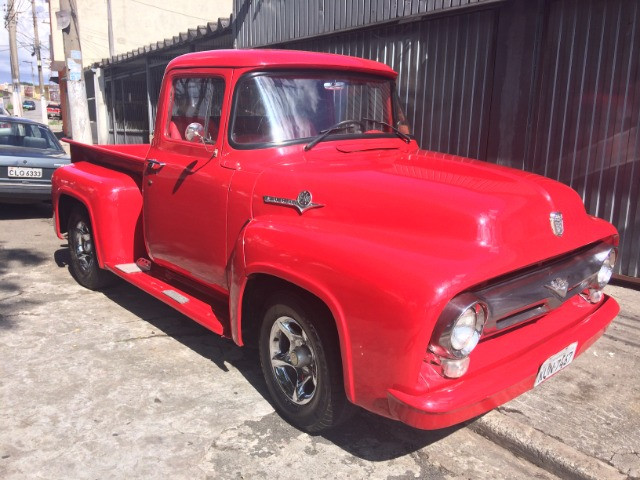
{"points": [[325, 133], [403, 136]]}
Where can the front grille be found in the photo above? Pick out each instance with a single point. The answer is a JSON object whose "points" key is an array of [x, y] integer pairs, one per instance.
{"points": [[530, 295]]}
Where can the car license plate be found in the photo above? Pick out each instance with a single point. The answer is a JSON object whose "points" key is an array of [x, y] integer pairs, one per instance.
{"points": [[555, 363], [25, 172]]}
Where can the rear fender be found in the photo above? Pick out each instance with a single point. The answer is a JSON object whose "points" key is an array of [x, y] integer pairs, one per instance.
{"points": [[114, 203]]}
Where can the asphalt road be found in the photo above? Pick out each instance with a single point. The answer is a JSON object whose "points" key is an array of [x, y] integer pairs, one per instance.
{"points": [[115, 384], [33, 114]]}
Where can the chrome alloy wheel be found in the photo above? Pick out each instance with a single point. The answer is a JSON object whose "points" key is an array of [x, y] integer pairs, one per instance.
{"points": [[293, 360], [84, 245]]}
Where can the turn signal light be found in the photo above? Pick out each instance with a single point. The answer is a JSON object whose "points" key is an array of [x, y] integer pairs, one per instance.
{"points": [[454, 368]]}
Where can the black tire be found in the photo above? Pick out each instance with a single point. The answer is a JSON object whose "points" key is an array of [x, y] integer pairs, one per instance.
{"points": [[322, 403], [84, 265]]}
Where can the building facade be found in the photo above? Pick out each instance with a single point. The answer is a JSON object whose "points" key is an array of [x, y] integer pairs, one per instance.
{"points": [[134, 23]]}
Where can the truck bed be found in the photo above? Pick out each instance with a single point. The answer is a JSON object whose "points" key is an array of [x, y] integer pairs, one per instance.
{"points": [[130, 158]]}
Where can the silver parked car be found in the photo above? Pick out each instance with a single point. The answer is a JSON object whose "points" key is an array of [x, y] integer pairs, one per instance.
{"points": [[29, 153]]}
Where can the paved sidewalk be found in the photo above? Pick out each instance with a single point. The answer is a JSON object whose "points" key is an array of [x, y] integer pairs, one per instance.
{"points": [[589, 411]]}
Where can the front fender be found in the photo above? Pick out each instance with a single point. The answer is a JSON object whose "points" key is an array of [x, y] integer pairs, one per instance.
{"points": [[114, 203], [373, 293]]}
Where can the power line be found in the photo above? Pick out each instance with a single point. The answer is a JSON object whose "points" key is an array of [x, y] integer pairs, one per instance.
{"points": [[170, 11]]}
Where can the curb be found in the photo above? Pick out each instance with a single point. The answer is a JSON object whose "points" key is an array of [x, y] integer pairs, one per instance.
{"points": [[546, 452]]}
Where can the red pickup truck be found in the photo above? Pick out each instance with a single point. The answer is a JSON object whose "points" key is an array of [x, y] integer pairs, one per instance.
{"points": [[283, 203]]}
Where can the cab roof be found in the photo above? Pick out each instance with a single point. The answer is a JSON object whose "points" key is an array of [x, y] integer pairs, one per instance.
{"points": [[279, 59]]}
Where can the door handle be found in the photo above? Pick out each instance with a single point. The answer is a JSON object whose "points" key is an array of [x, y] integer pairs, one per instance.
{"points": [[154, 164]]}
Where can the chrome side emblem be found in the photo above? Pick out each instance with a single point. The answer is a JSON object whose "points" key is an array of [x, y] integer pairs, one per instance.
{"points": [[557, 224], [559, 286], [302, 203]]}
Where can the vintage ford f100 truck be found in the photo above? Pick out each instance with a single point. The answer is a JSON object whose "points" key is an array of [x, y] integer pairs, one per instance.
{"points": [[284, 203]]}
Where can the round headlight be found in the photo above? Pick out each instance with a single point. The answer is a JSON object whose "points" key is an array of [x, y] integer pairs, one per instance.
{"points": [[606, 270], [467, 329]]}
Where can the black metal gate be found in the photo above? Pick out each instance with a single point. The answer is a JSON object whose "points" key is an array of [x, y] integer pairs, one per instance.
{"points": [[126, 99]]}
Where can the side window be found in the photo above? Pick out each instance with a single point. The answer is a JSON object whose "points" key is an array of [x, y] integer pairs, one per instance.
{"points": [[195, 100]]}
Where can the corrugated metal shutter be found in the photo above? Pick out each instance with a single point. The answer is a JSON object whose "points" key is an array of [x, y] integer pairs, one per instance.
{"points": [[586, 129], [265, 22]]}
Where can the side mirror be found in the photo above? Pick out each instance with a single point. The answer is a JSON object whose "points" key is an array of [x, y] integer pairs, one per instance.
{"points": [[194, 132]]}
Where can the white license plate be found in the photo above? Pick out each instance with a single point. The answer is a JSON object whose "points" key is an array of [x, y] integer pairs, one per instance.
{"points": [[25, 172], [555, 363]]}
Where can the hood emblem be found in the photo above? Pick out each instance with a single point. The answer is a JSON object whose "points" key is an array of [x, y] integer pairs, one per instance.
{"points": [[557, 224], [559, 286], [302, 203]]}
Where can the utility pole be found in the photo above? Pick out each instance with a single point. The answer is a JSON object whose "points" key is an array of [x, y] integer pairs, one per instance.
{"points": [[10, 22], [110, 27], [36, 36], [76, 92]]}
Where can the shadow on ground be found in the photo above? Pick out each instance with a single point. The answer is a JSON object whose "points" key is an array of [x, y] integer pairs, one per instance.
{"points": [[14, 260], [62, 257], [17, 211], [365, 435], [374, 438]]}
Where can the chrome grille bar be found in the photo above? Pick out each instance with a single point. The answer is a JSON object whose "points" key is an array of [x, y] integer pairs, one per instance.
{"points": [[535, 293]]}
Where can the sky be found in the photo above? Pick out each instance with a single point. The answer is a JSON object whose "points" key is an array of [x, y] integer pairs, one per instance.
{"points": [[25, 41]]}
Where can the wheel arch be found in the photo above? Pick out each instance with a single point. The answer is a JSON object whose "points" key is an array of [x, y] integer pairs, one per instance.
{"points": [[67, 202], [113, 201], [263, 281]]}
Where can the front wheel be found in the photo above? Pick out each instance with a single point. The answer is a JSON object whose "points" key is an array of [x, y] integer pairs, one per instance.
{"points": [[84, 263], [300, 361]]}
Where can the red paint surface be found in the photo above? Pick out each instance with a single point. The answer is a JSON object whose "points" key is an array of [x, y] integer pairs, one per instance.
{"points": [[401, 232]]}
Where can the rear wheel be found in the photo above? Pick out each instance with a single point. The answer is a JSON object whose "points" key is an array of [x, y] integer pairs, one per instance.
{"points": [[84, 262], [300, 361]]}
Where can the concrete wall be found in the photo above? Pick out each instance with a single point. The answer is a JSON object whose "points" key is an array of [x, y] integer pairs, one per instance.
{"points": [[135, 23]]}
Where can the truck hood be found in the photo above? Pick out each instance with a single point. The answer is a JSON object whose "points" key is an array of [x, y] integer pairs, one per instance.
{"points": [[427, 200]]}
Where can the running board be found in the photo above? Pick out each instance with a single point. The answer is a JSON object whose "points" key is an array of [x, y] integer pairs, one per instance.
{"points": [[206, 313]]}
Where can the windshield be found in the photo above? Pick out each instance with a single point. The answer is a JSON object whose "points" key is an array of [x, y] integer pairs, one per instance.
{"points": [[279, 108]]}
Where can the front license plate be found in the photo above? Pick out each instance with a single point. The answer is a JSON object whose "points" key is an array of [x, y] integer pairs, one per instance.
{"points": [[555, 363], [25, 172]]}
